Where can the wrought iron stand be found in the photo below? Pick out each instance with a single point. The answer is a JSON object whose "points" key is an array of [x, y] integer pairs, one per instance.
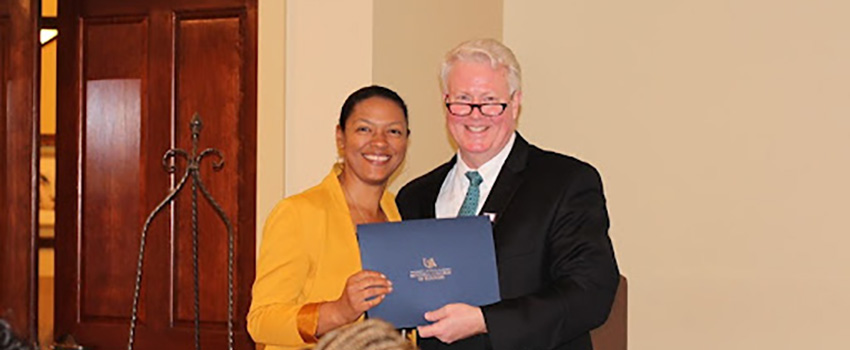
{"points": [[192, 169]]}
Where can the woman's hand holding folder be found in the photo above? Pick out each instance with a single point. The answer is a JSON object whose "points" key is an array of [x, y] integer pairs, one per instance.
{"points": [[363, 290]]}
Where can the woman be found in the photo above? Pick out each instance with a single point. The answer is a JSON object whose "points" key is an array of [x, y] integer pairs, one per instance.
{"points": [[309, 278]]}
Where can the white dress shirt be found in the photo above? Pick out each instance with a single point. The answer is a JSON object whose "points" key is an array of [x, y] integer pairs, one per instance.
{"points": [[453, 190]]}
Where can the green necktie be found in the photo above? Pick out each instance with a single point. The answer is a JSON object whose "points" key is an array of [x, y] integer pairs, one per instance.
{"points": [[470, 203]]}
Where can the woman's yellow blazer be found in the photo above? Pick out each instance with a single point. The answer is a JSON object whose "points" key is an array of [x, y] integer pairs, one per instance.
{"points": [[308, 250]]}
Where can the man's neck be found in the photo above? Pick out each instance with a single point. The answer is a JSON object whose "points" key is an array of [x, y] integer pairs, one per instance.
{"points": [[475, 161]]}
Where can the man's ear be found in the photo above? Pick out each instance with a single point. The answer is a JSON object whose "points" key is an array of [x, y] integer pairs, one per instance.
{"points": [[517, 100]]}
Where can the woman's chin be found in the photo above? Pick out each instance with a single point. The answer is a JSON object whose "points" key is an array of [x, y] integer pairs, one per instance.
{"points": [[377, 181]]}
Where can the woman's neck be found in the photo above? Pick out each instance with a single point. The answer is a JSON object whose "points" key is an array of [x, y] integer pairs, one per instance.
{"points": [[364, 201]]}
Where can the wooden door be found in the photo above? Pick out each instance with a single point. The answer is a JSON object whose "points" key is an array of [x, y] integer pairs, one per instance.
{"points": [[131, 75], [19, 55]]}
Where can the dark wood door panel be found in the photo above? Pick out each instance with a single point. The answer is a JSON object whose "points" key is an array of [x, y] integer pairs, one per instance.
{"points": [[111, 201], [114, 47], [132, 75], [4, 51], [19, 57], [215, 90]]}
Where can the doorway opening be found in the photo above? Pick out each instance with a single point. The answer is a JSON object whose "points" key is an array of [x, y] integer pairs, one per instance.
{"points": [[48, 33]]}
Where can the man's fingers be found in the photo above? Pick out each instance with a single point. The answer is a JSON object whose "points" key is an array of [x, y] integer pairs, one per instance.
{"points": [[437, 330], [436, 315], [428, 331]]}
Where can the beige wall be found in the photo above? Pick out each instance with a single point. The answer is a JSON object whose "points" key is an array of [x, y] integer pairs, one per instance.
{"points": [[721, 131], [270, 107], [328, 55], [410, 39]]}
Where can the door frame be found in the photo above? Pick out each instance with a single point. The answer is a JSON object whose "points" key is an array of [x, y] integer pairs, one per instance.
{"points": [[19, 207]]}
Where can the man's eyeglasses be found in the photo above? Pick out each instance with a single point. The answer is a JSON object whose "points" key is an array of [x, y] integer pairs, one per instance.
{"points": [[490, 109]]}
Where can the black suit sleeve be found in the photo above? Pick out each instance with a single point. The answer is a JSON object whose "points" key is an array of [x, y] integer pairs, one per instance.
{"points": [[582, 271]]}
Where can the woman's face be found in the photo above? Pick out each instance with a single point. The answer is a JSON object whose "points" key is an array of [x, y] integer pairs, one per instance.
{"points": [[374, 142]]}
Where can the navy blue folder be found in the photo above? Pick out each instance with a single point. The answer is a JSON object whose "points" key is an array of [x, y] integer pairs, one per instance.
{"points": [[431, 262]]}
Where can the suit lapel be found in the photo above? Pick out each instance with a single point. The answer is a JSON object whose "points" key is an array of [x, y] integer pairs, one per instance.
{"points": [[509, 179]]}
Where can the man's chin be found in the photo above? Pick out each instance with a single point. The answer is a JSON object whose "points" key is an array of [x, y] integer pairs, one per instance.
{"points": [[475, 151]]}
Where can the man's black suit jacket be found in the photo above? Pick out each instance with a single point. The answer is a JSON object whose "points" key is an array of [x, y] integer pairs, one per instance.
{"points": [[557, 272]]}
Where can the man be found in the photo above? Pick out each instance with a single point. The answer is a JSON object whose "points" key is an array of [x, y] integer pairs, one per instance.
{"points": [[557, 272]]}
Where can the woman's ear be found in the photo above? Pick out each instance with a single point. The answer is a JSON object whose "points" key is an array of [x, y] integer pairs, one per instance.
{"points": [[340, 138]]}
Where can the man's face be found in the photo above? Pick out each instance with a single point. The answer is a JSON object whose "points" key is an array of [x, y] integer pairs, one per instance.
{"points": [[478, 136]]}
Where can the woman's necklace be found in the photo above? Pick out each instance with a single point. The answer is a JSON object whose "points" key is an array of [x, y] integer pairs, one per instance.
{"points": [[351, 203]]}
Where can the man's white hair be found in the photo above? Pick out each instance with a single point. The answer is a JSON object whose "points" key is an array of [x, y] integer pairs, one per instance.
{"points": [[488, 51]]}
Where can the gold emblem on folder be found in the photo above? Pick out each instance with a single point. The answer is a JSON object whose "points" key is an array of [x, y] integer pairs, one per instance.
{"points": [[431, 272]]}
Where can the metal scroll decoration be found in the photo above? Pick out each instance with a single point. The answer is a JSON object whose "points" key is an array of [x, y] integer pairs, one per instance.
{"points": [[192, 170], [9, 340]]}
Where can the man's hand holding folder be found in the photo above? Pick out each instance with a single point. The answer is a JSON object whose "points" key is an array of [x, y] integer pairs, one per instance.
{"points": [[453, 322]]}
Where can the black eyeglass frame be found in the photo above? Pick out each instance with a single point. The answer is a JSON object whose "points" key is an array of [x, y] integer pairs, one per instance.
{"points": [[473, 106]]}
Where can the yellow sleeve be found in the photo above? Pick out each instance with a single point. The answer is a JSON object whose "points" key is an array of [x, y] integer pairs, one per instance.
{"points": [[283, 269]]}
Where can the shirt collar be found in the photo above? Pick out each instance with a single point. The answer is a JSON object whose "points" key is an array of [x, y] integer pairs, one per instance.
{"points": [[489, 170]]}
